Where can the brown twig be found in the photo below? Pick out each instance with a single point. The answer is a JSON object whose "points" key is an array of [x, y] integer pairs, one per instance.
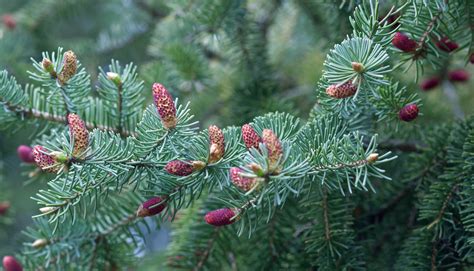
{"points": [[207, 252]]}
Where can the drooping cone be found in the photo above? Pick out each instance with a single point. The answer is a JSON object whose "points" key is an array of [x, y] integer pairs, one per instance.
{"points": [[46, 161], [217, 144], [408, 112], [4, 206], [11, 264], [243, 183], [458, 76], [250, 137], [69, 67], [342, 91], [151, 207], [430, 83], [447, 45], [404, 43], [9, 21], [273, 144], [179, 168], [220, 217], [79, 134], [26, 154], [165, 106]]}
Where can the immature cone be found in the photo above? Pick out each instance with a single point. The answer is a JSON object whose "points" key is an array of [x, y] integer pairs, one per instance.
{"points": [[447, 45], [404, 43], [11, 264], [69, 67], [39, 243], [243, 183], [4, 206], [48, 66], [48, 209], [47, 162], [430, 83], [250, 137], [372, 158], [115, 78], [458, 75], [151, 207], [408, 112], [257, 169], [165, 106], [9, 21], [220, 217], [179, 168], [217, 145], [471, 58], [78, 133], [273, 144], [26, 154], [342, 91], [357, 67]]}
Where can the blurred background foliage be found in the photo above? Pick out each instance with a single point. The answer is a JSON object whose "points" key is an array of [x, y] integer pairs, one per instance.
{"points": [[184, 45]]}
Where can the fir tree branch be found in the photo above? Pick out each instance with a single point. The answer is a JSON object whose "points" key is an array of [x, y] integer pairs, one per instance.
{"points": [[354, 164], [36, 114], [427, 32], [207, 252], [434, 253], [327, 229], [127, 220], [119, 108], [441, 212], [401, 145]]}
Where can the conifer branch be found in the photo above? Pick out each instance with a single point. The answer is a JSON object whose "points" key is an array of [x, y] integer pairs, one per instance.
{"points": [[327, 228], [207, 251], [36, 114], [446, 201]]}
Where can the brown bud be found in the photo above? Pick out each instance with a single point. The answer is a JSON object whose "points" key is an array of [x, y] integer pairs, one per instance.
{"points": [[48, 209], [372, 158], [49, 67], [39, 243], [358, 67], [115, 78]]}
